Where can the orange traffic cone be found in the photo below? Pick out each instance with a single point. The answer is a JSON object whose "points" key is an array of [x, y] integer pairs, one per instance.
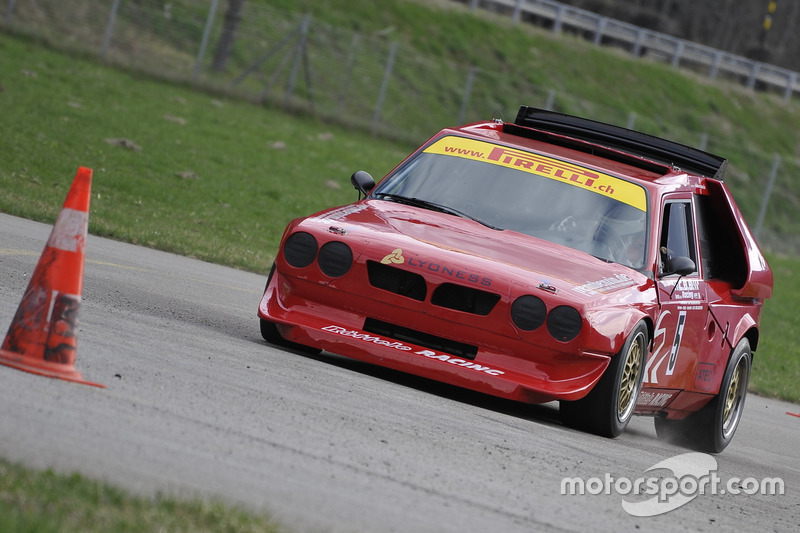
{"points": [[42, 337]]}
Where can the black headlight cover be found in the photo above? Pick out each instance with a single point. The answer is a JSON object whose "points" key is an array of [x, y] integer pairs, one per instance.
{"points": [[564, 323], [335, 259], [300, 249], [528, 312]]}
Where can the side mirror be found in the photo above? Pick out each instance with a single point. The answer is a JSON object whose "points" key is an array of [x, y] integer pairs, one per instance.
{"points": [[680, 265], [363, 182]]}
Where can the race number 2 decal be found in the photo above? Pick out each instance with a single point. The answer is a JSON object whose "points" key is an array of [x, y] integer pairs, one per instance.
{"points": [[676, 343]]}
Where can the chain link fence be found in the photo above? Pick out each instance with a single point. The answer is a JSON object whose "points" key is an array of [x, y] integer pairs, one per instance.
{"points": [[370, 82]]}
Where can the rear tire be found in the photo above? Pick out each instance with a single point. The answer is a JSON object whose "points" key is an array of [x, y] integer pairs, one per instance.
{"points": [[608, 408], [711, 429]]}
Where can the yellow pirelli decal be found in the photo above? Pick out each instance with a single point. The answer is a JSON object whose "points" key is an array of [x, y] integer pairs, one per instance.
{"points": [[597, 182]]}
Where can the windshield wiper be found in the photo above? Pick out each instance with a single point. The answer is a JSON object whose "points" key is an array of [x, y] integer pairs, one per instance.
{"points": [[433, 206]]}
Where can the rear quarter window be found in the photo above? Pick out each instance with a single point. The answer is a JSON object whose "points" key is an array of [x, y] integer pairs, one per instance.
{"points": [[720, 245]]}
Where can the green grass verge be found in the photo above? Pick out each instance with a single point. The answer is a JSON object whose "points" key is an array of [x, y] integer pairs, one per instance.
{"points": [[44, 502]]}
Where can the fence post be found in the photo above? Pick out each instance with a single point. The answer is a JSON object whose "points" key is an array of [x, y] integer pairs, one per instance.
{"points": [[348, 72], [602, 22], [703, 141], [467, 93], [10, 10], [561, 11], [387, 73], [751, 80], [299, 55], [787, 92], [631, 120], [517, 9], [676, 59], [212, 13], [773, 175], [109, 28], [638, 43], [712, 73], [551, 100]]}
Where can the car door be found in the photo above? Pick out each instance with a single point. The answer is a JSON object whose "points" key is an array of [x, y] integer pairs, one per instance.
{"points": [[680, 334]]}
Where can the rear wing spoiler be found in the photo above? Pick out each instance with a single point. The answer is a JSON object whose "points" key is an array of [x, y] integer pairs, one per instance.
{"points": [[632, 142]]}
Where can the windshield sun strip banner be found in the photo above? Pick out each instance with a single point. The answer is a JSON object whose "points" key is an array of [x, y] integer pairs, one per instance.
{"points": [[532, 163]]}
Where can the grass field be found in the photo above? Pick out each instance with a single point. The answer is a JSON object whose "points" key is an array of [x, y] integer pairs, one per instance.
{"points": [[174, 169], [217, 179]]}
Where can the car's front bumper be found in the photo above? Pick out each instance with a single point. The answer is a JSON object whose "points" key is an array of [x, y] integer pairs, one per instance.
{"points": [[314, 314]]}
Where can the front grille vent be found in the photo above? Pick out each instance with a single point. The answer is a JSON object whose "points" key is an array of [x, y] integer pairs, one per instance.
{"points": [[440, 344], [465, 299], [397, 280]]}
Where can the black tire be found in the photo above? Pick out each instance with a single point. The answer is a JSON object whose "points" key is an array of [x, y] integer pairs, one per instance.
{"points": [[608, 408], [711, 429], [269, 331]]}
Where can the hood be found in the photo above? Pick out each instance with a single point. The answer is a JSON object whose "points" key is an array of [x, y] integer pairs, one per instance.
{"points": [[441, 242]]}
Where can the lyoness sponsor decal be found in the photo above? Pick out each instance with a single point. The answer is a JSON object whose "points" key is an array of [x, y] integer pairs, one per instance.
{"points": [[449, 271], [396, 257], [591, 180], [430, 354]]}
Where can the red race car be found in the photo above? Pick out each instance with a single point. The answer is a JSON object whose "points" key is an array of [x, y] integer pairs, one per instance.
{"points": [[552, 258]]}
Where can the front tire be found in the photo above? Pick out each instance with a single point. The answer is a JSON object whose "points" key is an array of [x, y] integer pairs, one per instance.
{"points": [[608, 408], [269, 331]]}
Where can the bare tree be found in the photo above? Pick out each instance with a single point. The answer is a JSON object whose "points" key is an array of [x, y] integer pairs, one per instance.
{"points": [[233, 16]]}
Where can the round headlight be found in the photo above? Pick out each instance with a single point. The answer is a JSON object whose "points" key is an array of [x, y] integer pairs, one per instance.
{"points": [[335, 259], [528, 312], [564, 323], [300, 249]]}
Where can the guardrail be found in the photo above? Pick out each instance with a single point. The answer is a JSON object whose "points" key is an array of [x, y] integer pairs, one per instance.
{"points": [[642, 42]]}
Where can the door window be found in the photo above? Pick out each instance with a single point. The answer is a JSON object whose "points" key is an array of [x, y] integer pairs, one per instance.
{"points": [[677, 233]]}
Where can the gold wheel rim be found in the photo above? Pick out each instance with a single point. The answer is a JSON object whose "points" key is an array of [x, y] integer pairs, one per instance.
{"points": [[630, 377], [732, 397]]}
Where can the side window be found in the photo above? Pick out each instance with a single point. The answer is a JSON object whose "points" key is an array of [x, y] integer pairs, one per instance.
{"points": [[677, 231]]}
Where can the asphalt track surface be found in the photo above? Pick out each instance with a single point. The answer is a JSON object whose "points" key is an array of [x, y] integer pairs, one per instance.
{"points": [[198, 405]]}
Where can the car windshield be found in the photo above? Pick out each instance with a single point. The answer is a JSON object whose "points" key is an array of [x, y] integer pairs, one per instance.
{"points": [[510, 189]]}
